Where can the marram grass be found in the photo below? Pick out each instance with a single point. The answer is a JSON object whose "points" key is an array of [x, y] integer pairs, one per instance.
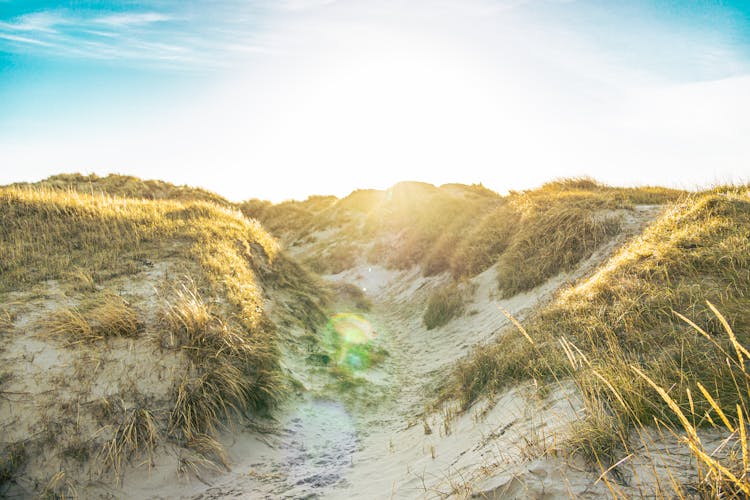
{"points": [[230, 349], [623, 336]]}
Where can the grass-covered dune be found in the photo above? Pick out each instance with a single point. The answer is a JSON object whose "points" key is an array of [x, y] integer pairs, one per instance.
{"points": [[126, 186], [132, 325], [655, 335], [140, 319], [532, 235]]}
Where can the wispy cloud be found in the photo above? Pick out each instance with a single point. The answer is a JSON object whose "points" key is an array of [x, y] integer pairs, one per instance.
{"points": [[23, 39], [199, 35], [132, 19], [41, 22], [182, 36]]}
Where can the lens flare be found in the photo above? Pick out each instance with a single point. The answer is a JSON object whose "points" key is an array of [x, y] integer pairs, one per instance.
{"points": [[352, 337], [352, 328]]}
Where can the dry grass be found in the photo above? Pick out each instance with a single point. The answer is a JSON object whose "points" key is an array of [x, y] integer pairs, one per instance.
{"points": [[185, 315], [136, 434], [105, 317], [288, 217], [7, 319], [616, 336], [443, 305], [203, 402], [216, 320], [209, 449], [552, 236], [486, 241], [429, 222], [462, 229], [231, 373], [80, 280], [641, 195], [59, 487], [46, 233], [535, 234], [127, 187]]}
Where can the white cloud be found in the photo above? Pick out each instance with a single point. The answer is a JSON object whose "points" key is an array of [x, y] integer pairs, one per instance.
{"points": [[24, 39], [43, 22], [132, 19]]}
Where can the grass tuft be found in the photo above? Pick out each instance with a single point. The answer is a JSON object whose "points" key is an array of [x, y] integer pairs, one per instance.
{"points": [[442, 306], [13, 458], [185, 316], [108, 316], [551, 239], [136, 434], [231, 373], [7, 319], [80, 280]]}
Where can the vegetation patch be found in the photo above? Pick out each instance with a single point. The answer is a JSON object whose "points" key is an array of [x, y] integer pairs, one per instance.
{"points": [[7, 318], [125, 186], [13, 458], [135, 434], [485, 242], [459, 228], [442, 306], [552, 236], [618, 333], [107, 316], [288, 217], [230, 372]]}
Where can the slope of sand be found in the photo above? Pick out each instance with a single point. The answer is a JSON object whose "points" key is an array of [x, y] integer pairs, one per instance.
{"points": [[56, 396]]}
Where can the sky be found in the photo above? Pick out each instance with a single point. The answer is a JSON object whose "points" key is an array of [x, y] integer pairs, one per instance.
{"points": [[281, 99]]}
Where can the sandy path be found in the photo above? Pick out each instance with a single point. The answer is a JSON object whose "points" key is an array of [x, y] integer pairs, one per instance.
{"points": [[326, 445]]}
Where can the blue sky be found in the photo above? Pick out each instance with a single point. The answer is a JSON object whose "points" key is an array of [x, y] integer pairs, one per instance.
{"points": [[286, 98]]}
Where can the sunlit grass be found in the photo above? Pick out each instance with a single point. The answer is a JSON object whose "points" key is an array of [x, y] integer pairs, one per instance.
{"points": [[126, 186], [230, 347], [230, 373], [552, 235], [535, 234], [532, 235], [617, 336]]}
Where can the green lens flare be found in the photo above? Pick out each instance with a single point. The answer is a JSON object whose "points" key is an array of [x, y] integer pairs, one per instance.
{"points": [[352, 338], [352, 328]]}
